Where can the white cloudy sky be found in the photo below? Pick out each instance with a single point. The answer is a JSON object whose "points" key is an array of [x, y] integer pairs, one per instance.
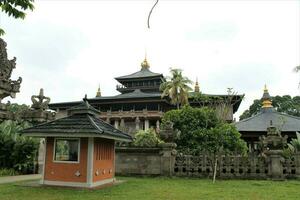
{"points": [[69, 47]]}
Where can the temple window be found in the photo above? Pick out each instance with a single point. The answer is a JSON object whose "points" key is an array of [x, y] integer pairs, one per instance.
{"points": [[66, 150]]}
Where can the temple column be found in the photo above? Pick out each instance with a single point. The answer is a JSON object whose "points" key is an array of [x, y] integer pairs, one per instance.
{"points": [[122, 124], [137, 123], [116, 123], [108, 120], [146, 124]]}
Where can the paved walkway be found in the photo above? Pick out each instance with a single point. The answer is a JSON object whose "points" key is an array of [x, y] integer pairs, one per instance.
{"points": [[11, 179]]}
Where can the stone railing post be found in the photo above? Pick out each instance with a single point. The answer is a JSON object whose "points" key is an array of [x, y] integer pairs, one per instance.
{"points": [[273, 145], [275, 167], [297, 163], [168, 156]]}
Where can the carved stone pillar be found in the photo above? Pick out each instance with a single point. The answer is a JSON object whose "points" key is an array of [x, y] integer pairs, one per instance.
{"points": [[273, 145], [137, 123], [108, 120], [116, 123], [146, 124]]}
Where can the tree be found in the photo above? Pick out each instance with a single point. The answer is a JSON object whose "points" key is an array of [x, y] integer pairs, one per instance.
{"points": [[285, 104], [222, 104], [188, 120], [15, 8], [222, 139], [176, 88], [201, 130]]}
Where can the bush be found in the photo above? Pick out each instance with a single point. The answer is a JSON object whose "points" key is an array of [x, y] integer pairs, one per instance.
{"points": [[17, 152], [146, 138], [8, 172]]}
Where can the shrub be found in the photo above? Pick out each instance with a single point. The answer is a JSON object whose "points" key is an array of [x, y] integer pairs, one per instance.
{"points": [[8, 172], [17, 152], [146, 138]]}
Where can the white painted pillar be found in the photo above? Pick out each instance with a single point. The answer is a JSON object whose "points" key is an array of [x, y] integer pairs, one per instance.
{"points": [[146, 124], [90, 160], [122, 124], [137, 123], [116, 123], [157, 125]]}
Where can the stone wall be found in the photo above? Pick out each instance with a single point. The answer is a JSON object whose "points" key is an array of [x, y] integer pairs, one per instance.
{"points": [[145, 161], [163, 161]]}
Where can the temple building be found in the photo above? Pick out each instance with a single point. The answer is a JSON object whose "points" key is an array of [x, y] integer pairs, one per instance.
{"points": [[254, 127], [139, 104]]}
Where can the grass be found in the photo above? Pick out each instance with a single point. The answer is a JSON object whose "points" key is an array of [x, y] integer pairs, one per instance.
{"points": [[161, 188]]}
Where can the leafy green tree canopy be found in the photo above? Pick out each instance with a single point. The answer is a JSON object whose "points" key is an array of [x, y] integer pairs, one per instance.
{"points": [[285, 104], [223, 138], [188, 120], [15, 8]]}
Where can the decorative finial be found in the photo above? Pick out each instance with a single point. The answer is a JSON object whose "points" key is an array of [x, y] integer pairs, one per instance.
{"points": [[85, 98], [40, 101], [98, 94], [145, 64], [197, 88], [266, 99]]}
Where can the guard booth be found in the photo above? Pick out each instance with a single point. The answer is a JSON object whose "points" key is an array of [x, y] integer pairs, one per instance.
{"points": [[80, 148]]}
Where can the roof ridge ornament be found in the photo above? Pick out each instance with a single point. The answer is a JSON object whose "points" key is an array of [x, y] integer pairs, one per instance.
{"points": [[267, 103], [145, 64], [98, 94]]}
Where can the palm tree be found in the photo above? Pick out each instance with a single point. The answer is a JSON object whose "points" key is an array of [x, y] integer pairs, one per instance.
{"points": [[294, 145], [176, 88]]}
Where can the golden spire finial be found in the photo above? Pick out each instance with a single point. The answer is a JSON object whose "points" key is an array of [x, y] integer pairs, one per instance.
{"points": [[265, 88], [145, 64], [98, 94], [197, 88], [267, 103]]}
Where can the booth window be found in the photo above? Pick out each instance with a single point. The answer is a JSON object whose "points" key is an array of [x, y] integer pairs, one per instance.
{"points": [[66, 150]]}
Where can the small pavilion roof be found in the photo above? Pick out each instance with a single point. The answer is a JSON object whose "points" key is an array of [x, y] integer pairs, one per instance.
{"points": [[267, 115], [81, 122], [261, 121]]}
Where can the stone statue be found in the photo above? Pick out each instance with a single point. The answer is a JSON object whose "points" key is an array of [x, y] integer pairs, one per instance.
{"points": [[167, 133], [40, 101], [273, 140], [8, 87]]}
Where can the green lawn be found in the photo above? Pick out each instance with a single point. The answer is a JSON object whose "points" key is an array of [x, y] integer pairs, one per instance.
{"points": [[161, 188]]}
